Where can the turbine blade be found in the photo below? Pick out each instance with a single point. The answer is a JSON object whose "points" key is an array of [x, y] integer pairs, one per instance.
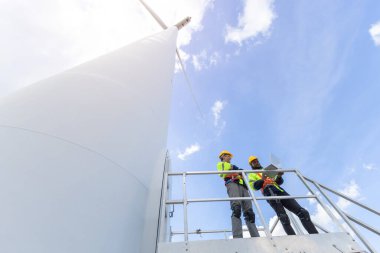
{"points": [[155, 16], [189, 84], [179, 26]]}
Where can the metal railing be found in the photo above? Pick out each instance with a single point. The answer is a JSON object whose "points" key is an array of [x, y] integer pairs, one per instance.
{"points": [[268, 231], [224, 231], [346, 217]]}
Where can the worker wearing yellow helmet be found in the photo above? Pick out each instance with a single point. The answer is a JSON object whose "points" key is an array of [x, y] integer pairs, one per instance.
{"points": [[236, 188], [271, 187]]}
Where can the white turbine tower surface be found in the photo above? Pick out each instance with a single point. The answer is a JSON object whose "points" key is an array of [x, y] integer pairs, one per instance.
{"points": [[82, 154]]}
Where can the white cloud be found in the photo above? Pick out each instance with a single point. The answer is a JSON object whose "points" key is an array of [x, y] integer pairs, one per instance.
{"points": [[246, 233], [199, 60], [65, 33], [217, 109], [369, 166], [312, 200], [279, 229], [374, 31], [204, 61], [256, 20], [322, 218], [352, 191], [172, 12], [214, 59], [188, 151], [184, 56]]}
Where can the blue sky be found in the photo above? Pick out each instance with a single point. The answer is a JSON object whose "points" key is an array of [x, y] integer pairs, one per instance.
{"points": [[305, 89], [298, 79]]}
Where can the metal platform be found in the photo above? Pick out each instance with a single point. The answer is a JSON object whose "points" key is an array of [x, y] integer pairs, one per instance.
{"points": [[317, 243], [341, 239]]}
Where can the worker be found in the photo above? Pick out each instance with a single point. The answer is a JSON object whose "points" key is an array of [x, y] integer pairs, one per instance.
{"points": [[237, 188], [271, 187]]}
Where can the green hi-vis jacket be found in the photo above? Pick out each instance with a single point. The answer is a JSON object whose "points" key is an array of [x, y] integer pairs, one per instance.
{"points": [[253, 177], [224, 166]]}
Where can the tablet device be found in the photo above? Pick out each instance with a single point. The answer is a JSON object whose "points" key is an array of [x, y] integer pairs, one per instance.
{"points": [[269, 171]]}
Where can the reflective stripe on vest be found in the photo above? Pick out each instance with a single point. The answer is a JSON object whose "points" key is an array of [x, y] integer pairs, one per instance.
{"points": [[259, 176], [224, 166]]}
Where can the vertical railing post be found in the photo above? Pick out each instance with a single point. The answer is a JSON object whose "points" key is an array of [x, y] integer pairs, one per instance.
{"points": [[171, 234], [328, 211], [274, 225], [185, 225], [266, 228], [162, 216], [268, 231], [163, 213]]}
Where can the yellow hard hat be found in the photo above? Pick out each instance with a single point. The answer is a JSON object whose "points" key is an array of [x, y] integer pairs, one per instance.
{"points": [[251, 158], [225, 152]]}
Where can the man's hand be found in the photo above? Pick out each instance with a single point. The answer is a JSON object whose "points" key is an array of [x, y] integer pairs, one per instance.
{"points": [[235, 176], [267, 181]]}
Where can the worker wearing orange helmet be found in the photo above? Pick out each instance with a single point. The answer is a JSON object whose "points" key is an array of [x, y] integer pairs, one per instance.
{"points": [[271, 187], [237, 188]]}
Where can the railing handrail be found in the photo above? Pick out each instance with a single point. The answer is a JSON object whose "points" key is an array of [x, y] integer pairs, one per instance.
{"points": [[253, 198], [361, 223], [347, 218], [345, 197], [188, 173], [344, 217], [180, 201]]}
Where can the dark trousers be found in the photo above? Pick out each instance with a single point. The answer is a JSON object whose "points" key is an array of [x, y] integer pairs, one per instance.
{"points": [[293, 206]]}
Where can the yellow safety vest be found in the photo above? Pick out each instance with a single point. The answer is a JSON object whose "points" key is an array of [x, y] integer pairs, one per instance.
{"points": [[253, 177], [224, 166]]}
